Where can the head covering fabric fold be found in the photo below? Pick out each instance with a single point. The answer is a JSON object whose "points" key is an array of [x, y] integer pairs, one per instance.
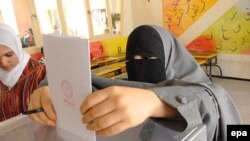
{"points": [[172, 58], [9, 39]]}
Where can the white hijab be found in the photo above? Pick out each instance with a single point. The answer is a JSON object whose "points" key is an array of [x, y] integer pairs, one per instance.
{"points": [[9, 38]]}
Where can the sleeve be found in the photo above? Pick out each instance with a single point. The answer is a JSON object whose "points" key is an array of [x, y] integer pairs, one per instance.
{"points": [[195, 104], [42, 72], [39, 73], [101, 82]]}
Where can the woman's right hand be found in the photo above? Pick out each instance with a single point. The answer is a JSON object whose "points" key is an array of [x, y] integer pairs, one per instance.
{"points": [[41, 99]]}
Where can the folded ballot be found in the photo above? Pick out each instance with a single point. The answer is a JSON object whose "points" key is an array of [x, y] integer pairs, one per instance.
{"points": [[69, 77]]}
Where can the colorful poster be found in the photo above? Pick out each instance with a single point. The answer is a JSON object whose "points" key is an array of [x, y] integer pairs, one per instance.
{"points": [[231, 32], [178, 15]]}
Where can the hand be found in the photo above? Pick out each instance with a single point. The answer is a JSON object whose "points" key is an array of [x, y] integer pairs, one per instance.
{"points": [[115, 109], [41, 98]]}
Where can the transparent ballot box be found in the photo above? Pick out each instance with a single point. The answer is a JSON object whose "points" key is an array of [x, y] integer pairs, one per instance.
{"points": [[21, 128]]}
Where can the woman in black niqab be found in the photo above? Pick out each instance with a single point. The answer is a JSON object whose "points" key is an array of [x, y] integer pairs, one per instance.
{"points": [[154, 55]]}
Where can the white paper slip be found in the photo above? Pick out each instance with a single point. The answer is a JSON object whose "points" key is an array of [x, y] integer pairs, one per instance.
{"points": [[69, 77]]}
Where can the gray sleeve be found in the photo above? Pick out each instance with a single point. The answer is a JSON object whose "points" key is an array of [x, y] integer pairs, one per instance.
{"points": [[101, 82], [194, 103]]}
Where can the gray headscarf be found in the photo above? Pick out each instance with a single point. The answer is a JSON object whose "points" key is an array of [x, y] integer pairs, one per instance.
{"points": [[179, 63]]}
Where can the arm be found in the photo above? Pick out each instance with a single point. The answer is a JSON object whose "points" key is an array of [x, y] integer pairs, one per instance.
{"points": [[41, 99], [118, 108], [196, 105], [118, 97], [114, 109], [133, 99]]}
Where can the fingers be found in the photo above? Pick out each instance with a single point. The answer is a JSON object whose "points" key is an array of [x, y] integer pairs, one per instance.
{"points": [[49, 111], [98, 110], [115, 109], [114, 129], [35, 99], [33, 104], [44, 118], [92, 100], [105, 121], [48, 106], [34, 117], [41, 99]]}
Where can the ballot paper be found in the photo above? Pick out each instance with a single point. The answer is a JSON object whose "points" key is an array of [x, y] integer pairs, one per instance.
{"points": [[69, 77]]}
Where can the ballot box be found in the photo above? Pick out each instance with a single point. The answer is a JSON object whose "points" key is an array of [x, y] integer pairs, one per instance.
{"points": [[21, 128]]}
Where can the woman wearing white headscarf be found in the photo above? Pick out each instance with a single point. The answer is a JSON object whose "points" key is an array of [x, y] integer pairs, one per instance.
{"points": [[177, 96], [19, 74]]}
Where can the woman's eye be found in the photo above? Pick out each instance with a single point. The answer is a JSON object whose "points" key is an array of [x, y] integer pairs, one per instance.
{"points": [[152, 57], [9, 54], [138, 57]]}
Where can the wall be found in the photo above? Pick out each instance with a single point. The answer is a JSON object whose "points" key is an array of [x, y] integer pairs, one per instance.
{"points": [[127, 25], [22, 16], [8, 14], [233, 65], [145, 12], [1, 17], [32, 50]]}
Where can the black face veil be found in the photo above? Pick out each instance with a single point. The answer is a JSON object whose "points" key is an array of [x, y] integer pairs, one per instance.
{"points": [[146, 42], [173, 60]]}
